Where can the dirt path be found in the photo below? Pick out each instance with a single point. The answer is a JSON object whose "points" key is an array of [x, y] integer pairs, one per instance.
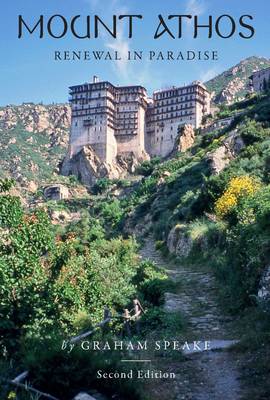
{"points": [[209, 375]]}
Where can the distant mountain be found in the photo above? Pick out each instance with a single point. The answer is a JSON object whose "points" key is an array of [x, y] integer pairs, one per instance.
{"points": [[232, 84], [33, 140]]}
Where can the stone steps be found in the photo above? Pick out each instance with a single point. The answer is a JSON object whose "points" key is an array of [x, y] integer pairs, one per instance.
{"points": [[196, 298]]}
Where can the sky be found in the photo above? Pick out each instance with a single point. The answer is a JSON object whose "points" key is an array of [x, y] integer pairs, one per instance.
{"points": [[29, 73]]}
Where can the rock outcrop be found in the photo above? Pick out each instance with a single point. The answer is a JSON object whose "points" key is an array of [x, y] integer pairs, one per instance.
{"points": [[233, 84], [230, 92], [224, 154], [178, 242], [219, 159], [88, 167], [54, 119], [63, 217], [41, 134], [129, 162], [185, 139]]}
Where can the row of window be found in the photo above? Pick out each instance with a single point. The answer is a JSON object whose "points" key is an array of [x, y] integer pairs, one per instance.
{"points": [[91, 91], [175, 100], [172, 115], [175, 92], [174, 108]]}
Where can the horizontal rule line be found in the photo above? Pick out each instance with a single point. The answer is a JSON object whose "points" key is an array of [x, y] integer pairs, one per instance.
{"points": [[136, 360]]}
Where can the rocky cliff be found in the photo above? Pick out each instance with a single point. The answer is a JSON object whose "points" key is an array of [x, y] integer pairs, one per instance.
{"points": [[233, 84], [184, 140], [52, 119], [88, 167]]}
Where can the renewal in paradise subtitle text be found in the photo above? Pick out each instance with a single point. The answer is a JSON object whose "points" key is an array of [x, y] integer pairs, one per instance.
{"points": [[151, 55]]}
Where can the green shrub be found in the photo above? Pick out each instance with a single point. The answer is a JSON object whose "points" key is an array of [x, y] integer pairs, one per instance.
{"points": [[6, 185], [111, 212], [101, 185], [11, 212], [253, 131], [246, 250], [157, 319], [152, 282], [147, 167]]}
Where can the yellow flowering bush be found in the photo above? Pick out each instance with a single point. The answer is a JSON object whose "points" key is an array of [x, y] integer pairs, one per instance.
{"points": [[12, 396], [238, 188]]}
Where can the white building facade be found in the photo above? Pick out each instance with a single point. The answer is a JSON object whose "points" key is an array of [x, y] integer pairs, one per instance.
{"points": [[171, 109], [121, 120], [111, 119]]}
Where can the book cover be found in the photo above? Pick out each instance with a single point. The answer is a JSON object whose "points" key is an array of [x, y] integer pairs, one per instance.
{"points": [[134, 200]]}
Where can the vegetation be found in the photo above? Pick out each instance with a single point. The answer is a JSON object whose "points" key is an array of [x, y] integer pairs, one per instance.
{"points": [[52, 287], [239, 188], [56, 280], [30, 154], [224, 215]]}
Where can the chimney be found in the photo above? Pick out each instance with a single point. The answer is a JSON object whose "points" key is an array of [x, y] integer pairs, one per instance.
{"points": [[95, 79]]}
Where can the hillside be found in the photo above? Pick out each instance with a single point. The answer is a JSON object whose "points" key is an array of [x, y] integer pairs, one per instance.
{"points": [[34, 139], [233, 83], [203, 214], [208, 209]]}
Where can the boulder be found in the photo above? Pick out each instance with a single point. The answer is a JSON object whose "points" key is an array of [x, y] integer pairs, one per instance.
{"points": [[12, 140], [163, 176], [130, 161], [166, 174], [178, 242]]}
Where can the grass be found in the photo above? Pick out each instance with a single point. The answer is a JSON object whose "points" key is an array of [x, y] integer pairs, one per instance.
{"points": [[254, 354]]}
